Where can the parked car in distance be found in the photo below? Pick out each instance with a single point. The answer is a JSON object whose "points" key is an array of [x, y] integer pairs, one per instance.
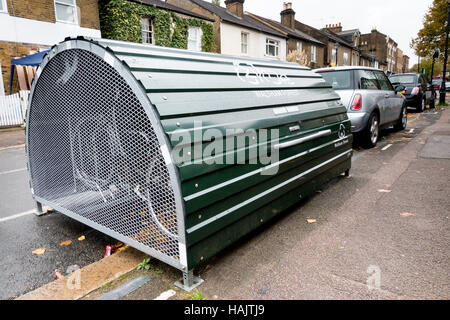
{"points": [[418, 93], [436, 84], [447, 86], [371, 100]]}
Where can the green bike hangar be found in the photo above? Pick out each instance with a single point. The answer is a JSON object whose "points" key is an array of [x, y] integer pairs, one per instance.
{"points": [[100, 119]]}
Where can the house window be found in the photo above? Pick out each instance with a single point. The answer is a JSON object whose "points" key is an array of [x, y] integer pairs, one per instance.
{"points": [[195, 39], [147, 31], [66, 11], [3, 6], [334, 56], [244, 43], [345, 59], [299, 46], [313, 54], [272, 48]]}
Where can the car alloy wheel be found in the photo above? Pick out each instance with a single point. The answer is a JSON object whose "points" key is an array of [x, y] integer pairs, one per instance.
{"points": [[404, 118], [374, 130]]}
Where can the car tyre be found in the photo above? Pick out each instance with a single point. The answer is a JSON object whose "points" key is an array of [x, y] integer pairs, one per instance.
{"points": [[402, 121], [371, 132]]}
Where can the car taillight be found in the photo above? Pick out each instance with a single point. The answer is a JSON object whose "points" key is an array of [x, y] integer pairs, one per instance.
{"points": [[415, 90], [357, 102]]}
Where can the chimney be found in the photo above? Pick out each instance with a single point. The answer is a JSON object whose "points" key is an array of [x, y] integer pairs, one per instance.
{"points": [[235, 7], [334, 27], [288, 16]]}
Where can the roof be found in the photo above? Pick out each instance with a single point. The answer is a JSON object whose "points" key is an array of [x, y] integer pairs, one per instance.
{"points": [[292, 33], [347, 35], [246, 21], [337, 38], [164, 5], [330, 35]]}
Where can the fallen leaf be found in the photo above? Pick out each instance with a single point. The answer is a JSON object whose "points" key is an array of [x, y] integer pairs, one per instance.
{"points": [[58, 274], [81, 238], [318, 191], [311, 220], [384, 190], [121, 248], [39, 251], [66, 243], [407, 214]]}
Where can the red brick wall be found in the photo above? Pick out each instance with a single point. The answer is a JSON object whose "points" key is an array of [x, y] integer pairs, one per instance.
{"points": [[44, 10]]}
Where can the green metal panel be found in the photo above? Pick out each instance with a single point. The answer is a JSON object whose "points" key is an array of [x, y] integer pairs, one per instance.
{"points": [[224, 201]]}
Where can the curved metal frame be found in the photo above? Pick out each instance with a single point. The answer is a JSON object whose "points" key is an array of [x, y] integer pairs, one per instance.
{"points": [[109, 57]]}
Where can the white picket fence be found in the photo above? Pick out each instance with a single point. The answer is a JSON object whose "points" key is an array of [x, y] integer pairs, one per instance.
{"points": [[13, 109]]}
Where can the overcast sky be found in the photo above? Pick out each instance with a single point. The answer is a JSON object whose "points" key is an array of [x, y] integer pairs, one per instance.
{"points": [[399, 19]]}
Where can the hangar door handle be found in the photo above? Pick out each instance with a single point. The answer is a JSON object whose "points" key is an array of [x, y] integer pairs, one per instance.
{"points": [[319, 134]]}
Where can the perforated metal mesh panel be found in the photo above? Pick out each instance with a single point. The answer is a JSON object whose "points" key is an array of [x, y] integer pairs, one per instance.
{"points": [[93, 151]]}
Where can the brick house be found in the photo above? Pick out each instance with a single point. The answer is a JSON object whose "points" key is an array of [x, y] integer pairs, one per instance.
{"points": [[296, 39], [237, 32], [399, 61], [30, 26], [155, 22], [338, 51], [405, 65], [380, 45]]}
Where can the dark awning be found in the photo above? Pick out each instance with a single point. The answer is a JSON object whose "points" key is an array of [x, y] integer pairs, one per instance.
{"points": [[33, 60]]}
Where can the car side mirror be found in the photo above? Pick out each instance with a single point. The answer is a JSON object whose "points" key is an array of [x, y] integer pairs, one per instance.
{"points": [[399, 88]]}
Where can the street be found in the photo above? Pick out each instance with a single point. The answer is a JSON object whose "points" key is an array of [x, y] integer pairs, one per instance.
{"points": [[389, 219], [21, 232]]}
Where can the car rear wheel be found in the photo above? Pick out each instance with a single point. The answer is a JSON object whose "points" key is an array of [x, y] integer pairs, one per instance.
{"points": [[372, 131], [402, 120]]}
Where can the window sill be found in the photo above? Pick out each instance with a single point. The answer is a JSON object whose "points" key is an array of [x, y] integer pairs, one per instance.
{"points": [[67, 22]]}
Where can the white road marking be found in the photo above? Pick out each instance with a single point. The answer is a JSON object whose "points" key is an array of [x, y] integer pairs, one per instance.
{"points": [[12, 171], [25, 213], [17, 215], [13, 147], [388, 146], [166, 295], [411, 131]]}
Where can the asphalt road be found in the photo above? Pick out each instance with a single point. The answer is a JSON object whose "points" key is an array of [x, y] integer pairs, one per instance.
{"points": [[21, 232]]}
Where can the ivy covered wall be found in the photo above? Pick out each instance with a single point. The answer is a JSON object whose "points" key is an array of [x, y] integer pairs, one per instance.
{"points": [[121, 20]]}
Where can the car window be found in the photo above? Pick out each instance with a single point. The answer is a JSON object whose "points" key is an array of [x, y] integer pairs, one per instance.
{"points": [[368, 80], [339, 80], [385, 84], [408, 79]]}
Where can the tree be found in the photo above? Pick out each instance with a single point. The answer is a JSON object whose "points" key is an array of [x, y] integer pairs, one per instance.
{"points": [[432, 35], [216, 2], [426, 63]]}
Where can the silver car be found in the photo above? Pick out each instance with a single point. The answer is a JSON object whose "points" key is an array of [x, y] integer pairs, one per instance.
{"points": [[371, 100]]}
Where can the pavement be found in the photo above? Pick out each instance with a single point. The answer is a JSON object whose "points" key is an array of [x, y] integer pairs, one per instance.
{"points": [[383, 233]]}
